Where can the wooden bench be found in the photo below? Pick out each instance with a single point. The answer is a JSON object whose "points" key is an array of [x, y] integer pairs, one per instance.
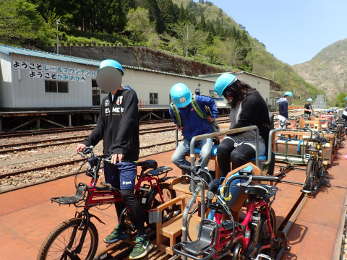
{"points": [[172, 228]]}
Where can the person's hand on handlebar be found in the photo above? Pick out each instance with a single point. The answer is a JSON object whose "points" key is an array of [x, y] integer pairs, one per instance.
{"points": [[80, 148], [116, 158]]}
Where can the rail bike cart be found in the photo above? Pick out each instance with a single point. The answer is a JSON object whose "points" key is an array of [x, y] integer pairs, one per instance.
{"points": [[77, 237], [304, 147], [291, 146], [170, 233], [211, 229]]}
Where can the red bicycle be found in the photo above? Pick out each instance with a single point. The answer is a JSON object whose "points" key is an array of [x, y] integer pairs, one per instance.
{"points": [[77, 238], [255, 237]]}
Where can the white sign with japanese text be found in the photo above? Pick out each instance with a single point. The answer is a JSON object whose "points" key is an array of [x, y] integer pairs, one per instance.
{"points": [[52, 72]]}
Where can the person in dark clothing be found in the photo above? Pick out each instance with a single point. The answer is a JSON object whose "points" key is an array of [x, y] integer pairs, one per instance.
{"points": [[308, 110], [192, 122], [344, 114], [283, 104], [247, 108], [118, 126]]}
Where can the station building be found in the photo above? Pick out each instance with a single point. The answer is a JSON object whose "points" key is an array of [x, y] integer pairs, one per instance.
{"points": [[35, 81]]}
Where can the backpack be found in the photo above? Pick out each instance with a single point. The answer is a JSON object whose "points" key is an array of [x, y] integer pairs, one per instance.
{"points": [[202, 114]]}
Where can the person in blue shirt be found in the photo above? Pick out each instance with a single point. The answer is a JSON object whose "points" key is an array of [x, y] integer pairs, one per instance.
{"points": [[191, 124], [283, 104]]}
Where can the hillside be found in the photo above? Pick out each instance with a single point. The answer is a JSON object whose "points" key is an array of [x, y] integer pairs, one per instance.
{"points": [[197, 31], [327, 70]]}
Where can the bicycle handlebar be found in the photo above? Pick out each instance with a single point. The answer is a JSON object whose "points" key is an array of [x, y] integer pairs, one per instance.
{"points": [[253, 177]]}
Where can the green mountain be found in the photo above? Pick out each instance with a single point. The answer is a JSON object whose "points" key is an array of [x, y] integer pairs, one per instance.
{"points": [[198, 31], [328, 71]]}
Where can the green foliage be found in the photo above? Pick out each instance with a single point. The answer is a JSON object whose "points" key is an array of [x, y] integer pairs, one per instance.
{"points": [[20, 22], [341, 100], [196, 30]]}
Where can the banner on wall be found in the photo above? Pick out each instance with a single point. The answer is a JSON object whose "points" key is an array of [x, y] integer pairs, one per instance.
{"points": [[52, 72]]}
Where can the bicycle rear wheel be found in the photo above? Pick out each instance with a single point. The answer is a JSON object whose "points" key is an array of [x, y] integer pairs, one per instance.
{"points": [[71, 240], [311, 183]]}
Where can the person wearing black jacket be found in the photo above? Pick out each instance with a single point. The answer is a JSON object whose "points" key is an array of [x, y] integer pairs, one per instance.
{"points": [[247, 108], [118, 126]]}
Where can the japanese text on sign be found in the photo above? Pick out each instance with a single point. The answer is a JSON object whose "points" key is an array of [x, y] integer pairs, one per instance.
{"points": [[44, 71]]}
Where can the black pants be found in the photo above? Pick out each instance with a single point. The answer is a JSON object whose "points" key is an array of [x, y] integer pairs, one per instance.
{"points": [[227, 153], [113, 176]]}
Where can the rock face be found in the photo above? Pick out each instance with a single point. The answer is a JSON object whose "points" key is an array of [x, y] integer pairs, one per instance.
{"points": [[142, 57], [328, 69]]}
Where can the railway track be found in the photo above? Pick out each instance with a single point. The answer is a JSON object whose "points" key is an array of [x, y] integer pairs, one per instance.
{"points": [[18, 171], [69, 162], [73, 129], [23, 146], [65, 129]]}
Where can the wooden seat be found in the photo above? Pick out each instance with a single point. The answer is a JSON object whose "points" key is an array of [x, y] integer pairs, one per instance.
{"points": [[171, 229]]}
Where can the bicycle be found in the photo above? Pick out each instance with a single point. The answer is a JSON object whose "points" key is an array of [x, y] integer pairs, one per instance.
{"points": [[219, 235], [316, 170], [77, 238]]}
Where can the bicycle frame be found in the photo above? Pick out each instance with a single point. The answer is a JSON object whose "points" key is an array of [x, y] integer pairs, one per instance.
{"points": [[240, 233], [153, 182]]}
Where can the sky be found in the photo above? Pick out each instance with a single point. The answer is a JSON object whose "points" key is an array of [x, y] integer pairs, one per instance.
{"points": [[294, 31]]}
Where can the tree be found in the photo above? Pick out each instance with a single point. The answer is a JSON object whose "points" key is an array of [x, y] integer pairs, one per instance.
{"points": [[155, 15], [189, 39], [21, 22], [140, 27], [340, 100]]}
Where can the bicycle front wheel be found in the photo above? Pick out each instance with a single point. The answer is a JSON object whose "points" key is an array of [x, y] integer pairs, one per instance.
{"points": [[71, 240], [310, 182]]}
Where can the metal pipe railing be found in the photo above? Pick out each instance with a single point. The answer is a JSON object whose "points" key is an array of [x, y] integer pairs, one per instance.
{"points": [[273, 131], [226, 132]]}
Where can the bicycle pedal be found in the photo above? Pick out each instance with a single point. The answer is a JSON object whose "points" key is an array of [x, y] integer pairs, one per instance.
{"points": [[263, 256], [306, 191]]}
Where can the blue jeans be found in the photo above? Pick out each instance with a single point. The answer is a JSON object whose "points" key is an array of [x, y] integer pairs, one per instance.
{"points": [[183, 149]]}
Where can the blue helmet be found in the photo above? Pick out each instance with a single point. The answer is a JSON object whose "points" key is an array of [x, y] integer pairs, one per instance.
{"points": [[181, 95], [345, 98], [288, 94], [111, 63], [309, 100], [223, 81]]}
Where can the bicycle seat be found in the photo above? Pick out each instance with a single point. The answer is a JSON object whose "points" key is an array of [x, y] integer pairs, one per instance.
{"points": [[160, 170], [72, 199], [148, 164], [261, 191], [202, 248]]}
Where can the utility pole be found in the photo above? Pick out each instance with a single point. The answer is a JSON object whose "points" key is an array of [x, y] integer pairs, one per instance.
{"points": [[57, 22]]}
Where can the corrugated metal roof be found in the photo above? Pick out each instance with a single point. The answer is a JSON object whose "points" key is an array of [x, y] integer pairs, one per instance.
{"points": [[47, 55]]}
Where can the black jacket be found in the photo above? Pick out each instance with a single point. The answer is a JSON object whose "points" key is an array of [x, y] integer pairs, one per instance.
{"points": [[255, 112], [118, 125]]}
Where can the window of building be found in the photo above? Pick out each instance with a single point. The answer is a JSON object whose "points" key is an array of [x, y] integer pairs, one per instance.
{"points": [[153, 98], [95, 93], [54, 86]]}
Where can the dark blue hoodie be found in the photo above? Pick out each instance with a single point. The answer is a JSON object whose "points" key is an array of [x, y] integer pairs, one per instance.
{"points": [[193, 124]]}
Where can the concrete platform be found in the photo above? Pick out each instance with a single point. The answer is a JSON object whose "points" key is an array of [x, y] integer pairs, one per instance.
{"points": [[27, 216]]}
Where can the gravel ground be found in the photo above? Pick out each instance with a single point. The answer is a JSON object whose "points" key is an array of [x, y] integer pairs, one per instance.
{"points": [[13, 140], [56, 154]]}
